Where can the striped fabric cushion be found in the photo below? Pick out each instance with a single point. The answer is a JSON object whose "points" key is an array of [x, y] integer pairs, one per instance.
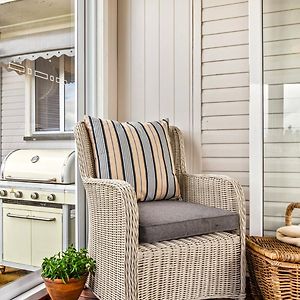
{"points": [[139, 153]]}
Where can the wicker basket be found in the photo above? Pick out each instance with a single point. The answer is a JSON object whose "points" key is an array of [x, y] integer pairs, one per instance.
{"points": [[274, 266]]}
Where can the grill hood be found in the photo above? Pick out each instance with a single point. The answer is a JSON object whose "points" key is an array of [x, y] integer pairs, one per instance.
{"points": [[40, 165]]}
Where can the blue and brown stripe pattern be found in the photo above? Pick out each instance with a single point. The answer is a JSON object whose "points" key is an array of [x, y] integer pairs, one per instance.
{"points": [[139, 153]]}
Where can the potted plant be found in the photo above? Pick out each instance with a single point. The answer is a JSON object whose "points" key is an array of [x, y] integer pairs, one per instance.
{"points": [[65, 273]]}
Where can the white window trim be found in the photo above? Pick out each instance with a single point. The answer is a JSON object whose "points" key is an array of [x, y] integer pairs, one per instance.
{"points": [[256, 170], [30, 102]]}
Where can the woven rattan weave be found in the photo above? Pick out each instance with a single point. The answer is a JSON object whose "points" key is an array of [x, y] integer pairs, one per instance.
{"points": [[200, 267], [274, 266]]}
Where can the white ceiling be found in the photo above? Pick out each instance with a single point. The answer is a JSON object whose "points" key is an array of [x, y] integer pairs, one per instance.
{"points": [[20, 11]]}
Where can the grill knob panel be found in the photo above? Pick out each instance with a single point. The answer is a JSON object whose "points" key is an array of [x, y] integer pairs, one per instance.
{"points": [[18, 194], [51, 197], [34, 196], [3, 193]]}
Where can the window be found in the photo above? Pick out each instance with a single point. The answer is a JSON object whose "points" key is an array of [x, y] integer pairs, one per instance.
{"points": [[53, 95]]}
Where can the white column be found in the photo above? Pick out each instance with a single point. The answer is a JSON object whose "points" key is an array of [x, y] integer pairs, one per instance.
{"points": [[256, 117], [96, 77]]}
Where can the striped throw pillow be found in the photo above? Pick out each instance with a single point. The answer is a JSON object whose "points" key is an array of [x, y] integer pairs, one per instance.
{"points": [[139, 153]]}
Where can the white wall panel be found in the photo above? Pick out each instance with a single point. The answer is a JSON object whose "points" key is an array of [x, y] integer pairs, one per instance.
{"points": [[155, 65], [225, 93]]}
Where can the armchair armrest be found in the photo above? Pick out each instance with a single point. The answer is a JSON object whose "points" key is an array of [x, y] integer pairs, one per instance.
{"points": [[113, 237], [221, 192], [215, 190]]}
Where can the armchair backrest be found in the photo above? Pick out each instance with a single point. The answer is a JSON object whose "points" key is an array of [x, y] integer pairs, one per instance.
{"points": [[86, 157]]}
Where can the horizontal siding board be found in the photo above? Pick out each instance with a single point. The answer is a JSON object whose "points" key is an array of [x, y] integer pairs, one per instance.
{"points": [[17, 105], [281, 18], [289, 105], [226, 25], [281, 136], [225, 81], [225, 108], [13, 119], [225, 137], [226, 164], [282, 33], [231, 94], [240, 37], [279, 62], [282, 165], [17, 92], [278, 121], [282, 76], [272, 6], [225, 122], [227, 150], [280, 48], [282, 180], [12, 86], [282, 150], [225, 53], [225, 12], [225, 67], [12, 113], [216, 3], [272, 223], [277, 209], [280, 194]]}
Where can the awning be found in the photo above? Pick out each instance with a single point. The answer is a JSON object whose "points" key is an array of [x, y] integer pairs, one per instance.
{"points": [[33, 56], [34, 44]]}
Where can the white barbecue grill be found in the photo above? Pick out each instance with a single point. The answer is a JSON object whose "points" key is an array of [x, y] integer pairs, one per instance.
{"points": [[37, 199]]}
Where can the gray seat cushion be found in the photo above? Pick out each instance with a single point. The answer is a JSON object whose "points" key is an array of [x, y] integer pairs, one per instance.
{"points": [[167, 219]]}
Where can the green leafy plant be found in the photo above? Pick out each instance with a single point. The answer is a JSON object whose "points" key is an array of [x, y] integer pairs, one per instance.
{"points": [[68, 264]]}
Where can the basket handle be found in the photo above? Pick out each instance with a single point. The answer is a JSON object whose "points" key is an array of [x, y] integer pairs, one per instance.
{"points": [[288, 212]]}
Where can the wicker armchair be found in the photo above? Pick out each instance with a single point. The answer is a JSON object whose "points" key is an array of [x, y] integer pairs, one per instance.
{"points": [[199, 267]]}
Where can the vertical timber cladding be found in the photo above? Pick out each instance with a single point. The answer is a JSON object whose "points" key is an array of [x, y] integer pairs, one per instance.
{"points": [[225, 89], [155, 67]]}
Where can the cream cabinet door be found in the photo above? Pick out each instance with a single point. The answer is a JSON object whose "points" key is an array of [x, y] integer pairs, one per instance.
{"points": [[46, 236], [16, 236]]}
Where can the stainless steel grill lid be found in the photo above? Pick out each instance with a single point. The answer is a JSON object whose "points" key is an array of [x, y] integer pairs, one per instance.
{"points": [[40, 165]]}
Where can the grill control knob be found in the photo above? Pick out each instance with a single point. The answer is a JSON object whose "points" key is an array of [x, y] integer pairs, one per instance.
{"points": [[51, 197], [18, 194], [3, 193], [34, 196]]}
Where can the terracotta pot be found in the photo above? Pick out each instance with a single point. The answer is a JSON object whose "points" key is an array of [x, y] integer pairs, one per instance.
{"points": [[65, 291]]}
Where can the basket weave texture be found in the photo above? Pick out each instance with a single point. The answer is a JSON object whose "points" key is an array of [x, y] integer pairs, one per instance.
{"points": [[199, 267], [274, 266]]}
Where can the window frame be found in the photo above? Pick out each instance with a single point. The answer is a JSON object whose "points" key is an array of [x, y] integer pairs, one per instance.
{"points": [[30, 105]]}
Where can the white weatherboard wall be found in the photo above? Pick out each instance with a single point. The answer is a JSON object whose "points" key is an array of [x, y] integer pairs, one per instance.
{"points": [[156, 72], [13, 117], [225, 89]]}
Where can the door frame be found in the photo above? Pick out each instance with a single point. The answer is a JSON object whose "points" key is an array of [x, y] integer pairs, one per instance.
{"points": [[256, 113]]}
